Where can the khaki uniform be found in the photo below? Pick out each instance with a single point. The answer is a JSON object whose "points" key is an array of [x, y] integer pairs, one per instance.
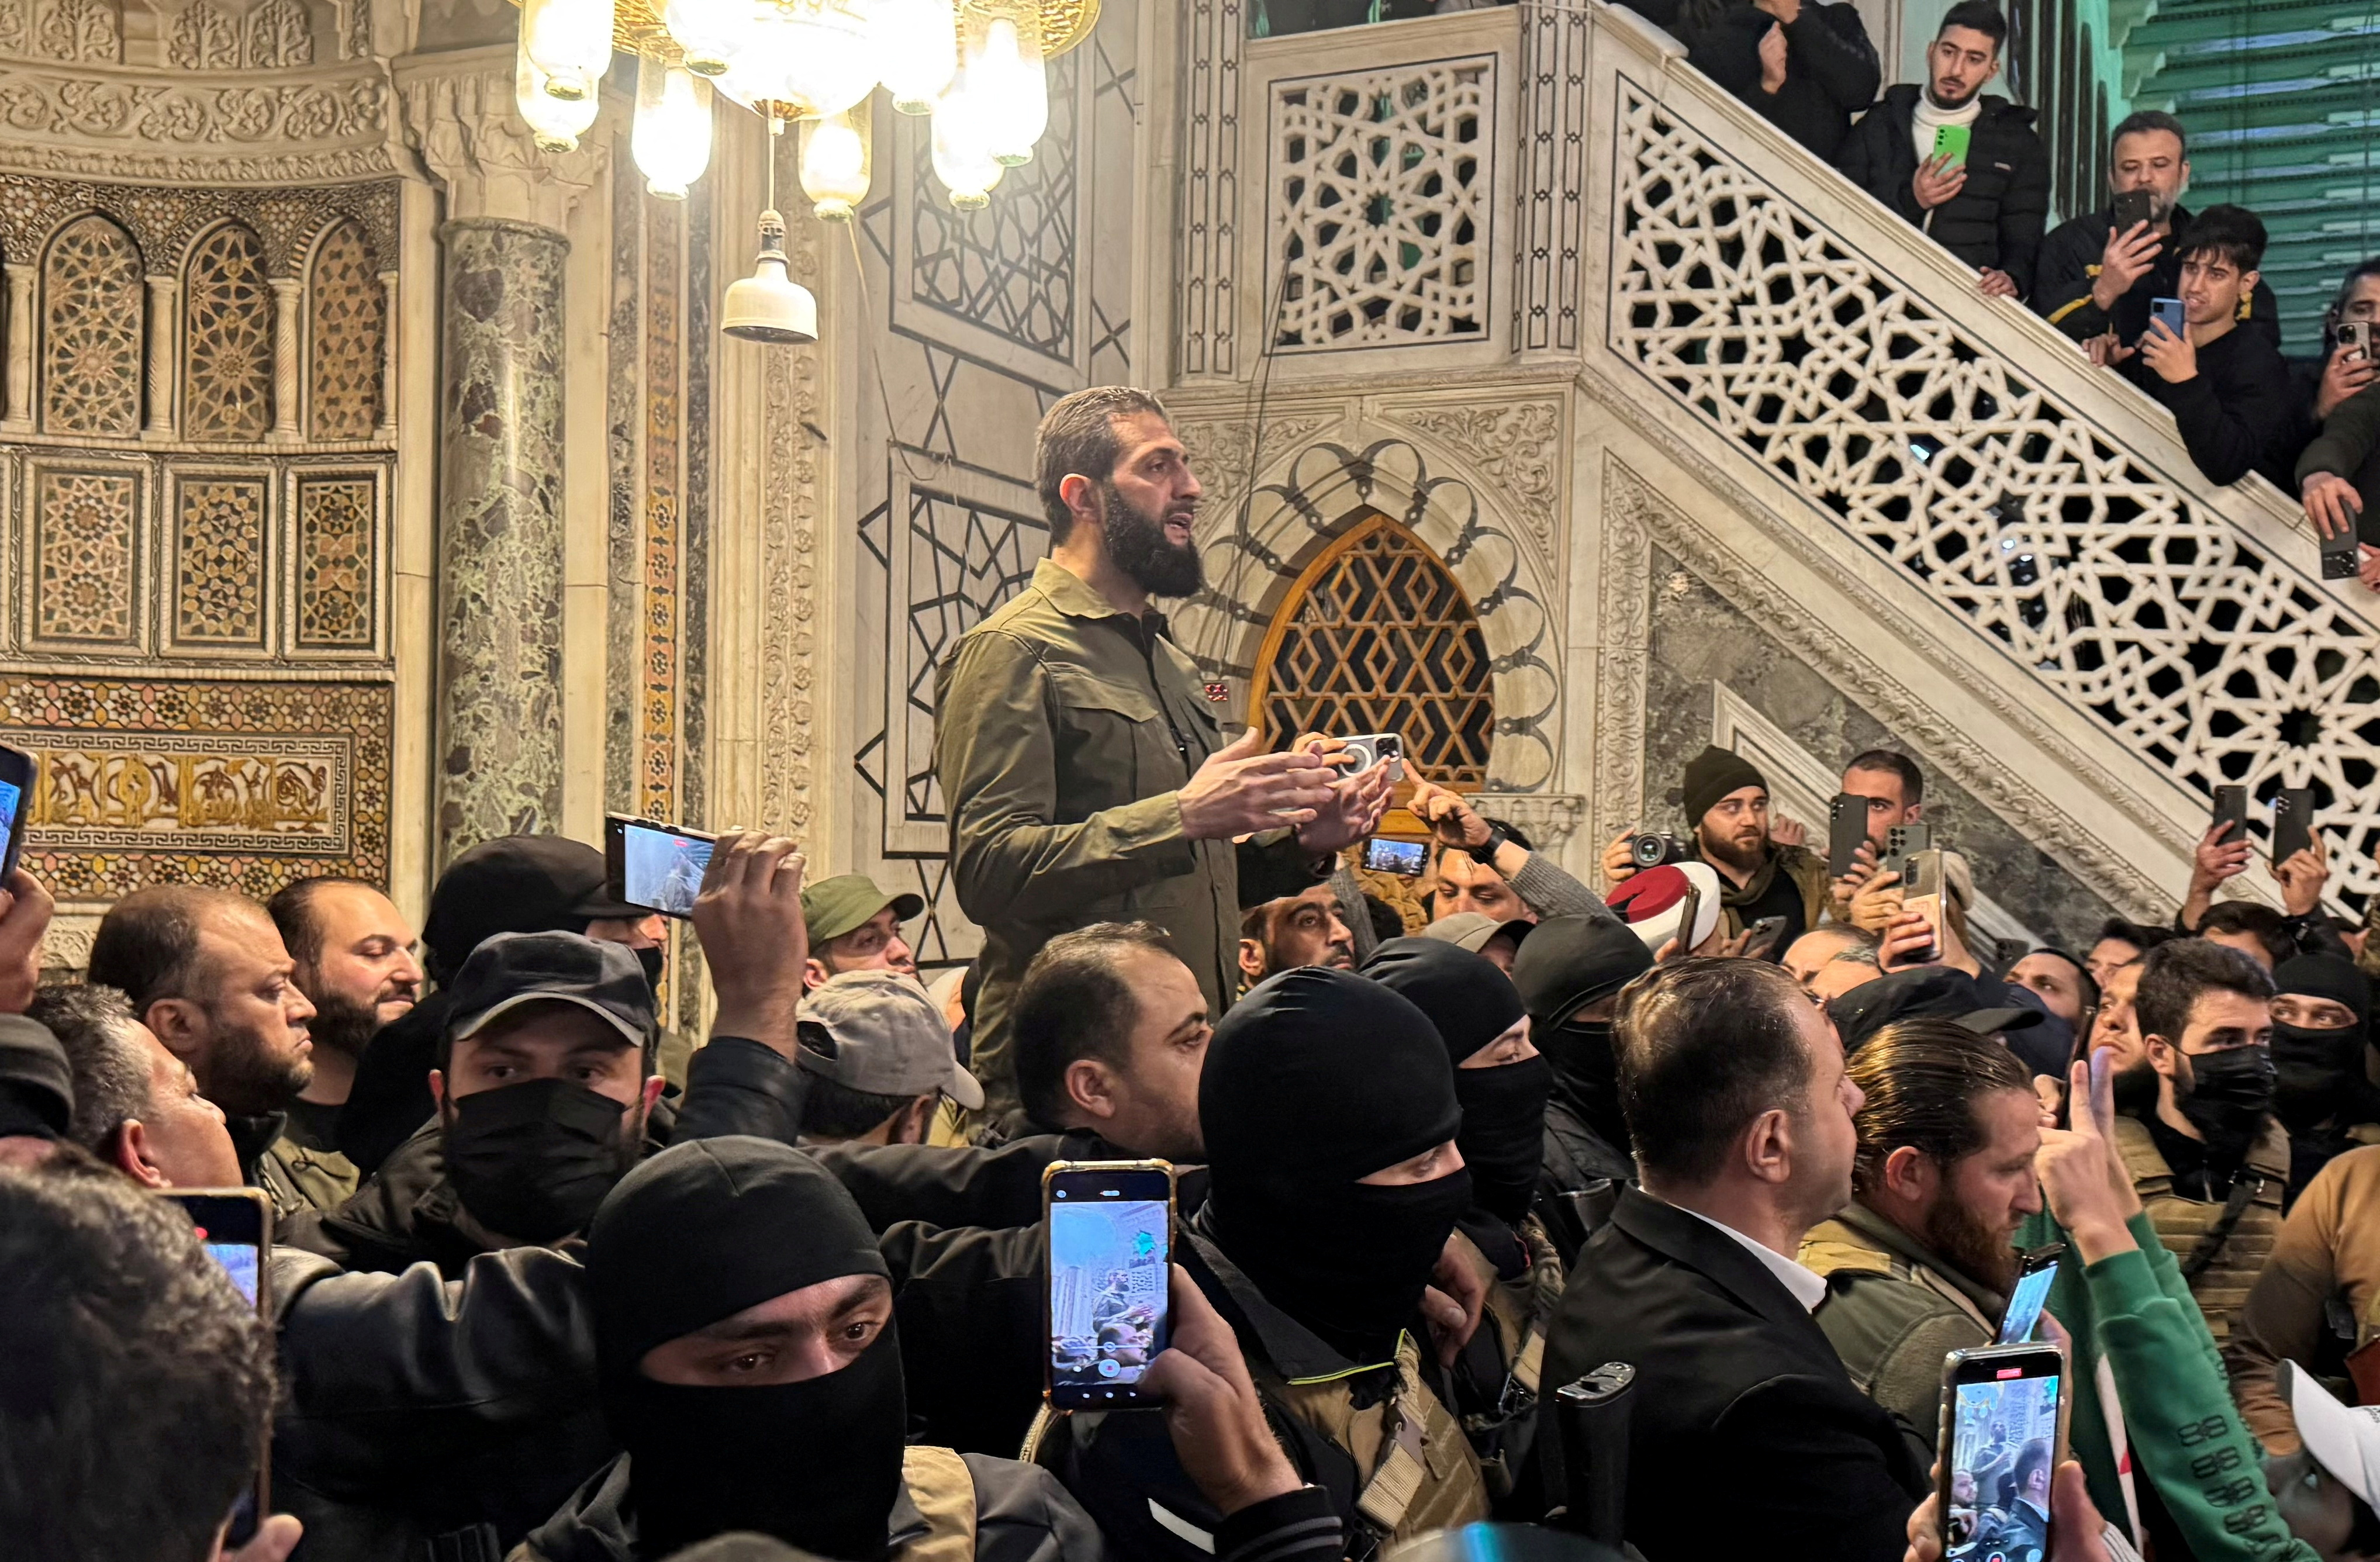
{"points": [[1893, 1311], [1063, 734], [1807, 873], [2221, 1278], [1500, 1420], [2317, 1301], [301, 1177]]}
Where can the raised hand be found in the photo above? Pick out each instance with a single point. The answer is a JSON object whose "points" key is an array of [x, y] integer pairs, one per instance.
{"points": [[1211, 1410], [2302, 877], [2128, 257], [25, 909], [2332, 502], [748, 919], [1241, 789], [1937, 180], [1447, 815], [1353, 813]]}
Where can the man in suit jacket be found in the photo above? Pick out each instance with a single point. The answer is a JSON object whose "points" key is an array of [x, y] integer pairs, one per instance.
{"points": [[1746, 1429]]}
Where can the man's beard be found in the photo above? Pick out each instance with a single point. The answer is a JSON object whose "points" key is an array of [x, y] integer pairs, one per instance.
{"points": [[1137, 546], [247, 1079], [2135, 1090], [1744, 859], [343, 1025], [1973, 1248], [1953, 104]]}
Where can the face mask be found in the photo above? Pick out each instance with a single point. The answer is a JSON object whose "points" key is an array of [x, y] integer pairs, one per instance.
{"points": [[816, 1464], [1348, 1261], [2315, 1073], [1586, 1077], [652, 959], [532, 1160], [1502, 1137], [2230, 1098]]}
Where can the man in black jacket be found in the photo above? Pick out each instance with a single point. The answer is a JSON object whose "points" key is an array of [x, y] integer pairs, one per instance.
{"points": [[1807, 69], [1987, 203], [1741, 1115], [2094, 279], [2227, 388]]}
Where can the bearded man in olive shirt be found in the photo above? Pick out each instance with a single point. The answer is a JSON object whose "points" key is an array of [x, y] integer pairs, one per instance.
{"points": [[1084, 766]]}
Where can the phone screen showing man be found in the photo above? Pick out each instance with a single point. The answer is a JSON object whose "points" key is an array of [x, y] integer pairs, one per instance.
{"points": [[2025, 1302], [2003, 1451], [663, 870], [1108, 1275], [12, 802]]}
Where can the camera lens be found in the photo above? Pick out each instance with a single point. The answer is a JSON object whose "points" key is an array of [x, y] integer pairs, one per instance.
{"points": [[1651, 850]]}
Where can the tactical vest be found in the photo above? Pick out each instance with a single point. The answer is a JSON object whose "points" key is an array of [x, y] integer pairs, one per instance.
{"points": [[1520, 1311], [2220, 1246], [945, 1494], [1423, 1475]]}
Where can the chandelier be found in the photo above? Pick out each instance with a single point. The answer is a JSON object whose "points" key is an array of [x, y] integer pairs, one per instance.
{"points": [[978, 67]]}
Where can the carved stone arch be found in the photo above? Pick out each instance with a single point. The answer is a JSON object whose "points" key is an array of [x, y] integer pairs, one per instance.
{"points": [[348, 323], [90, 318], [227, 321], [1302, 503]]}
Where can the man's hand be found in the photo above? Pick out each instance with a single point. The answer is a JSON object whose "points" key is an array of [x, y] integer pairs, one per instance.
{"points": [[1449, 816], [2172, 357], [2082, 1176], [2341, 378], [25, 909], [2076, 1531], [1453, 1302], [1786, 831], [748, 919], [2128, 257], [1878, 903], [1241, 789], [273, 1541], [1937, 180], [1619, 863], [2218, 859], [1997, 283], [2367, 569], [2105, 350], [2302, 877], [1786, 11], [1353, 813], [1846, 888], [1211, 1409], [1908, 937], [1773, 54], [2331, 504]]}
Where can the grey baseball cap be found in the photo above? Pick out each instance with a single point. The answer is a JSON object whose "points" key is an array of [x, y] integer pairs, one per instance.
{"points": [[1472, 929], [877, 1032]]}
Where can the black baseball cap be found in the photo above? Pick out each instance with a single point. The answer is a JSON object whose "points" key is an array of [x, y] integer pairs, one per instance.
{"points": [[36, 1086], [1937, 990], [513, 969], [517, 884]]}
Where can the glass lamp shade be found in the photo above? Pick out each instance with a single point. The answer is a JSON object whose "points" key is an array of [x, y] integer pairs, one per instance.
{"points": [[556, 124], [963, 158], [769, 306], [672, 138], [570, 41], [921, 44], [1008, 73], [816, 56], [712, 32], [835, 164]]}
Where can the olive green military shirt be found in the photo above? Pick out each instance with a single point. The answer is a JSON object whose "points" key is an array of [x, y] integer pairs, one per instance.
{"points": [[1063, 734], [1893, 1309]]}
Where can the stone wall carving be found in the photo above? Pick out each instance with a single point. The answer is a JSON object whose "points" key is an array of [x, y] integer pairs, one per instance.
{"points": [[1555, 41], [90, 312], [792, 399], [219, 561], [84, 579], [348, 343], [1516, 442], [338, 584], [227, 338], [119, 124], [1213, 38]]}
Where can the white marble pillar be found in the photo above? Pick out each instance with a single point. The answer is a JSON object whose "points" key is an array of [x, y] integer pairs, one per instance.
{"points": [[164, 356], [386, 432], [23, 330], [288, 293]]}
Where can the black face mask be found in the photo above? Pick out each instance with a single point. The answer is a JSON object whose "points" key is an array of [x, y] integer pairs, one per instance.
{"points": [[1348, 1261], [532, 1160], [1586, 1077], [816, 1464], [2229, 1099], [2316, 1074], [1502, 1137], [653, 959]]}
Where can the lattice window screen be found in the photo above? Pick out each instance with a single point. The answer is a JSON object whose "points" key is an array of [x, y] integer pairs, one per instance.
{"points": [[1377, 637], [1381, 185], [227, 338], [2192, 650], [91, 331], [349, 311]]}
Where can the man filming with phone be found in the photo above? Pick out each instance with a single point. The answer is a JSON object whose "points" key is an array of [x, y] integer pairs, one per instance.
{"points": [[1765, 871], [2338, 472]]}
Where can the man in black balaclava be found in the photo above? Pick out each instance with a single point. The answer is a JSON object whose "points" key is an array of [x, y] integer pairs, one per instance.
{"points": [[749, 1362], [518, 884], [1569, 973], [2320, 1012], [1502, 1082], [1334, 1184], [544, 1087]]}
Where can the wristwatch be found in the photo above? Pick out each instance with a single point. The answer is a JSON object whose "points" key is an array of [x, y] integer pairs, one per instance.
{"points": [[1484, 853]]}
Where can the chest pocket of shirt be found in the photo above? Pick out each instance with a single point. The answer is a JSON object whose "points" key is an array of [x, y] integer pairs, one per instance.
{"points": [[1114, 745]]}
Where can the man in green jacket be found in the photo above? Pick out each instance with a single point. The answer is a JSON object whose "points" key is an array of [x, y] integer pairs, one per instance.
{"points": [[1919, 1264], [1081, 757]]}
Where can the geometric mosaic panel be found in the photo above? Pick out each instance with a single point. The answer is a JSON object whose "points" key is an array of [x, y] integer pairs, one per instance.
{"points": [[245, 785], [349, 320], [227, 338], [219, 562], [1009, 267], [336, 570], [2190, 648], [86, 526], [91, 333], [1383, 640], [1379, 209]]}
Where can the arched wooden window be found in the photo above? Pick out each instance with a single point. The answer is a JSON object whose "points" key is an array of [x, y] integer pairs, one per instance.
{"points": [[348, 310], [227, 338], [91, 331], [1376, 636]]}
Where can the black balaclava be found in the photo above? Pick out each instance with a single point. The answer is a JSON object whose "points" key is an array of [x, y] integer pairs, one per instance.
{"points": [[533, 1160], [697, 1234], [1565, 963], [1472, 1003], [2319, 1073], [1314, 1080]]}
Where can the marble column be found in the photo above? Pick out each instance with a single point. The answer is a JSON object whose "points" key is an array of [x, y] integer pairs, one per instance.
{"points": [[499, 532], [164, 355], [22, 331], [388, 384], [288, 293]]}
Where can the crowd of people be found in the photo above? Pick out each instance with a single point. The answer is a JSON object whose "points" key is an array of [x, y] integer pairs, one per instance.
{"points": [[1768, 1128]]}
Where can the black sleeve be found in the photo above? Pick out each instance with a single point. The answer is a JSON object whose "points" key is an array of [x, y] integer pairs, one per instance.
{"points": [[1299, 1526], [969, 1309], [943, 1186], [1867, 160], [736, 1086], [1824, 1490], [2265, 314], [2314, 935], [1729, 50], [2228, 430], [1277, 868], [2025, 213], [2348, 437], [1833, 44], [2062, 283]]}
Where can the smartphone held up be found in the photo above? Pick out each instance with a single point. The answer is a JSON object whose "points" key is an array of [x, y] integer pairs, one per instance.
{"points": [[1109, 1229], [2003, 1432], [658, 867]]}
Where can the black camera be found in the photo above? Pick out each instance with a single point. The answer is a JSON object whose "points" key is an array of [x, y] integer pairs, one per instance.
{"points": [[1651, 848]]}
